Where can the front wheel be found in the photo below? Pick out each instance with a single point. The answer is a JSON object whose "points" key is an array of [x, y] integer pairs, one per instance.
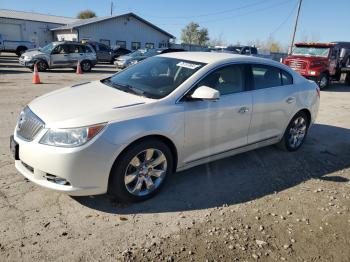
{"points": [[42, 66], [140, 172], [323, 81], [295, 133]]}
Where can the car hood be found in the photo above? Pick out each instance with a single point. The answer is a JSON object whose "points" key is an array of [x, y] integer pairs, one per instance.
{"points": [[33, 53], [85, 104]]}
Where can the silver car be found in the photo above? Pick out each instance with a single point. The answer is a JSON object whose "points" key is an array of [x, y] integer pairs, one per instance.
{"points": [[60, 55], [127, 133]]}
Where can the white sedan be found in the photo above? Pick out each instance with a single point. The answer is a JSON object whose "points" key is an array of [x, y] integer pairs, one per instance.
{"points": [[125, 134]]}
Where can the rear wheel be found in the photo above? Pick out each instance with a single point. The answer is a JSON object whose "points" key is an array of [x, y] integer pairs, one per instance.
{"points": [[20, 51], [295, 133], [323, 81], [140, 172], [86, 66]]}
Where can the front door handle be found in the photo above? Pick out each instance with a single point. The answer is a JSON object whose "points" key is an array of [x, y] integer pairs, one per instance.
{"points": [[290, 100], [243, 110]]}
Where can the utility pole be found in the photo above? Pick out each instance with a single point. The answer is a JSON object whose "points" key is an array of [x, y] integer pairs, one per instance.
{"points": [[112, 6], [295, 28]]}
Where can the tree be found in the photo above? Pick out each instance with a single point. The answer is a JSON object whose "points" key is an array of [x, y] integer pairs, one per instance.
{"points": [[194, 35], [86, 14]]}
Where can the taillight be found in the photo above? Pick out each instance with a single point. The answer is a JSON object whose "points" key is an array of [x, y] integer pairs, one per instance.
{"points": [[318, 92]]}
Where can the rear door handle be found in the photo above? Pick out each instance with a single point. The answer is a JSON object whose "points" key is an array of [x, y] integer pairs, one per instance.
{"points": [[290, 100], [243, 110]]}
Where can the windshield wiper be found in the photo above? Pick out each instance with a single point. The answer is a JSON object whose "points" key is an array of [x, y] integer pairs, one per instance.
{"points": [[125, 87]]}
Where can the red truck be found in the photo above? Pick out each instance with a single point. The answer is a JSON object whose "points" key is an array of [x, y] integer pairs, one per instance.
{"points": [[320, 62]]}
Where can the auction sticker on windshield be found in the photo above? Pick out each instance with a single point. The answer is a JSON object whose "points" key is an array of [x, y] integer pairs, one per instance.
{"points": [[188, 65]]}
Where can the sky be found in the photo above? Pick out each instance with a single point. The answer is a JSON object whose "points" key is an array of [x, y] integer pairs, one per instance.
{"points": [[231, 21]]}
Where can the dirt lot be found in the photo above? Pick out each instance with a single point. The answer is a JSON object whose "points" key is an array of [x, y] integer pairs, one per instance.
{"points": [[264, 205]]}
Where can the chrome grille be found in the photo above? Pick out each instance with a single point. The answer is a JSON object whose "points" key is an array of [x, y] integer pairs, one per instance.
{"points": [[295, 64], [29, 125]]}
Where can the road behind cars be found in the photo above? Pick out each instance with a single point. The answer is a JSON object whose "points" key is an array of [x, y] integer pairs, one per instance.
{"points": [[258, 187]]}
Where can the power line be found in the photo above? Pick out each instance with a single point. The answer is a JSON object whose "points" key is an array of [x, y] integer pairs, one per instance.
{"points": [[211, 14], [284, 21]]}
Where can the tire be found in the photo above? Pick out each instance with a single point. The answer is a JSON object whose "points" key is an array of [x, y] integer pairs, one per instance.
{"points": [[323, 81], [42, 66], [128, 177], [302, 123], [112, 60], [20, 51], [85, 66]]}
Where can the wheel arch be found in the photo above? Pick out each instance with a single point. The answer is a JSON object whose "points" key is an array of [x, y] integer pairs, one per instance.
{"points": [[307, 113], [166, 140], [21, 47]]}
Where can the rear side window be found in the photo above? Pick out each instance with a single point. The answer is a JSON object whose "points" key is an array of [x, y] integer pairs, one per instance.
{"points": [[266, 76], [227, 80], [287, 79]]}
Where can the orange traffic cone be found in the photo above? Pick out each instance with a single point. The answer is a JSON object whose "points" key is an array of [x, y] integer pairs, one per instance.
{"points": [[36, 78], [79, 71]]}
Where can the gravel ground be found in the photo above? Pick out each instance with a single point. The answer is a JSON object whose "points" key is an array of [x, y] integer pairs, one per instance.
{"points": [[264, 205]]}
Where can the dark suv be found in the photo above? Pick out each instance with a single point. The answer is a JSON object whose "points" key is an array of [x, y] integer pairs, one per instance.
{"points": [[106, 54]]}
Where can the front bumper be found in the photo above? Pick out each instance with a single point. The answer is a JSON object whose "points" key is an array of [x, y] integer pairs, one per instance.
{"points": [[86, 169], [26, 63]]}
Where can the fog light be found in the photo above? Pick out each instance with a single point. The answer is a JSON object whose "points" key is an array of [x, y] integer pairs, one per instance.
{"points": [[57, 180]]}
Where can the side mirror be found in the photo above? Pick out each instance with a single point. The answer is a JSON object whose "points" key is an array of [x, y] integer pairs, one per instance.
{"points": [[342, 52], [206, 93]]}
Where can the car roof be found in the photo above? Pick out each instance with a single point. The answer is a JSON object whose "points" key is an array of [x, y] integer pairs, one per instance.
{"points": [[212, 57]]}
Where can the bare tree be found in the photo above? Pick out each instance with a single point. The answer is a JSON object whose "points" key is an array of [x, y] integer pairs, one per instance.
{"points": [[86, 14], [193, 34]]}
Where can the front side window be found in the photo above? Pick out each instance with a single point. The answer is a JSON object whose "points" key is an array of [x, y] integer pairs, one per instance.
{"points": [[265, 76], [227, 80], [61, 49], [48, 48], [103, 48], [135, 45], [155, 77]]}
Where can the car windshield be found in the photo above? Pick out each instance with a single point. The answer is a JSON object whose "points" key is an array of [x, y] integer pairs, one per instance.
{"points": [[152, 52], [311, 51], [48, 48], [155, 77]]}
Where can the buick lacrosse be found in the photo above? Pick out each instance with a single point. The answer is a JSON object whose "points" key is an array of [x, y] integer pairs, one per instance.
{"points": [[127, 133]]}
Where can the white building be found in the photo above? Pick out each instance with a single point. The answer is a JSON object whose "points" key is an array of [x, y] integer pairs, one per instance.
{"points": [[27, 26], [128, 30]]}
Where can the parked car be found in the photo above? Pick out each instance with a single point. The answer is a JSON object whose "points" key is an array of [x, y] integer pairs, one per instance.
{"points": [[17, 47], [105, 53], [60, 55], [242, 50], [126, 133], [119, 51], [320, 62], [141, 54]]}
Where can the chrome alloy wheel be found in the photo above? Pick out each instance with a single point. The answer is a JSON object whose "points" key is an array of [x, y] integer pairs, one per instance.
{"points": [[297, 132], [145, 172]]}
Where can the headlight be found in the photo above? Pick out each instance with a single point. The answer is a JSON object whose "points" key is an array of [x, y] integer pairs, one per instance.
{"points": [[133, 62], [73, 137]]}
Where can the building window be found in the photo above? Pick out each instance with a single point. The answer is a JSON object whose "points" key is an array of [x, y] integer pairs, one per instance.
{"points": [[105, 41], [163, 44], [135, 45], [149, 45], [121, 44]]}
